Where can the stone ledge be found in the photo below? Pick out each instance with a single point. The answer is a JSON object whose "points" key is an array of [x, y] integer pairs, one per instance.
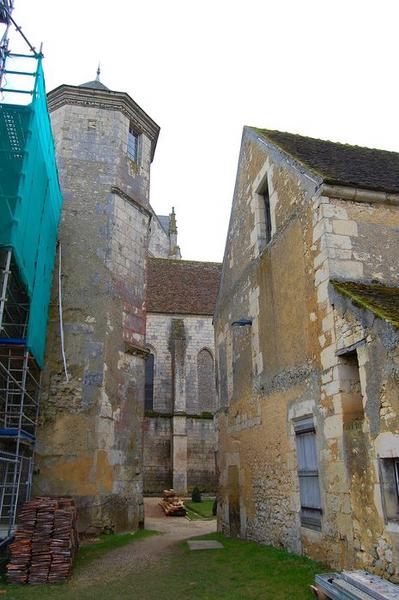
{"points": [[208, 416]]}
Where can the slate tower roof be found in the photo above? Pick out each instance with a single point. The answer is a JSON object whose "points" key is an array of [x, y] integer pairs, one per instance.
{"points": [[95, 93], [96, 83]]}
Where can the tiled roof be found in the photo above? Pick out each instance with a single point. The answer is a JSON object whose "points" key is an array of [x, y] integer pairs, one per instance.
{"points": [[383, 301], [182, 286], [340, 164], [94, 85]]}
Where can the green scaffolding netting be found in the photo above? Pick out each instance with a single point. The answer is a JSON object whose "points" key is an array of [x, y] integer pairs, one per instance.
{"points": [[30, 202]]}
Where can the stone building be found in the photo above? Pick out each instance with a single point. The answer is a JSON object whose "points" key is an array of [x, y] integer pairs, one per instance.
{"points": [[163, 236], [306, 335], [180, 399], [90, 438]]}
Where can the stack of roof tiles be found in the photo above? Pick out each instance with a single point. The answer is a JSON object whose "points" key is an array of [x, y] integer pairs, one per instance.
{"points": [[45, 543]]}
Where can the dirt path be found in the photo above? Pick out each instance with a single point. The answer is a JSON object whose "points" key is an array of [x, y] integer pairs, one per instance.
{"points": [[137, 555]]}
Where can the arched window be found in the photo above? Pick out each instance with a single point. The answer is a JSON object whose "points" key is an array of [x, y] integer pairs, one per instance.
{"points": [[149, 383], [206, 381]]}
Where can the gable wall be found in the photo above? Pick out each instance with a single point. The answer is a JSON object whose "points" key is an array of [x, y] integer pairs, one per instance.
{"points": [[285, 366], [159, 243], [266, 370]]}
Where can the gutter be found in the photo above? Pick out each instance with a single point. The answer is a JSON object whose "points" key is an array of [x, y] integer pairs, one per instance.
{"points": [[324, 189], [357, 194]]}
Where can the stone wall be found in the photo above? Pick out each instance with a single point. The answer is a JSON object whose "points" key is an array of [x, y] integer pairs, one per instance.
{"points": [[157, 435], [358, 242], [369, 435], [158, 469], [266, 368], [176, 342], [90, 434], [199, 335], [287, 365], [159, 242], [201, 448]]}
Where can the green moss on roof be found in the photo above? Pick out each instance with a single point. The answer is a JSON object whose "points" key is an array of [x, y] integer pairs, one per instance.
{"points": [[274, 139], [339, 164], [381, 300]]}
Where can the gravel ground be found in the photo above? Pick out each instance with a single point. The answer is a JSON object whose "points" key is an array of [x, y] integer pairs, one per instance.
{"points": [[136, 556]]}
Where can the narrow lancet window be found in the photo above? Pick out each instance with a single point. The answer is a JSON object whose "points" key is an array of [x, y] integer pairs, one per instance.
{"points": [[268, 221], [149, 383]]}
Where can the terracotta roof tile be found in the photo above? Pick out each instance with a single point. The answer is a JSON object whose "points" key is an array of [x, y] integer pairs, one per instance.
{"points": [[182, 286]]}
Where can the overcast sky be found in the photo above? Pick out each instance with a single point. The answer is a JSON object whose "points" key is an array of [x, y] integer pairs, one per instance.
{"points": [[203, 70]]}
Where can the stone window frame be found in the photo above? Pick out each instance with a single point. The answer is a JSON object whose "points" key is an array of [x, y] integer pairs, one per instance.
{"points": [[264, 199], [304, 425], [264, 226], [348, 357], [389, 487], [133, 133], [212, 355]]}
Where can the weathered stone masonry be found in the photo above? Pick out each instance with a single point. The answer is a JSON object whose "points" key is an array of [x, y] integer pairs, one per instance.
{"points": [[90, 438], [319, 354], [179, 434]]}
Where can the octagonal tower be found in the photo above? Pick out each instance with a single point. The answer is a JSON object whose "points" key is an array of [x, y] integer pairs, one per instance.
{"points": [[90, 437]]}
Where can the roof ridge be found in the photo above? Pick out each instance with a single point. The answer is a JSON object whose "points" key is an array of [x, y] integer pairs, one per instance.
{"points": [[335, 163], [180, 261], [95, 84], [182, 287], [264, 132]]}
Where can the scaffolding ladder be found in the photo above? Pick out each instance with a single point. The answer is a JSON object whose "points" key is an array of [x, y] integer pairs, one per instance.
{"points": [[30, 209]]}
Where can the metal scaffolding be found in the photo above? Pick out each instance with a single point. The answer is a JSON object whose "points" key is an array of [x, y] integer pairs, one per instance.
{"points": [[6, 8], [30, 208], [14, 302], [19, 396]]}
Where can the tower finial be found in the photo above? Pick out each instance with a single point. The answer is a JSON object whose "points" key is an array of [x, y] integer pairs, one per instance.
{"points": [[98, 72], [172, 222]]}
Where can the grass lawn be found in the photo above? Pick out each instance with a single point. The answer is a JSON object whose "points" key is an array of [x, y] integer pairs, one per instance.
{"points": [[240, 571], [203, 509]]}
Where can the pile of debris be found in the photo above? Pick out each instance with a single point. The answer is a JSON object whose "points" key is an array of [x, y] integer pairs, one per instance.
{"points": [[45, 543], [354, 585], [172, 505]]}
